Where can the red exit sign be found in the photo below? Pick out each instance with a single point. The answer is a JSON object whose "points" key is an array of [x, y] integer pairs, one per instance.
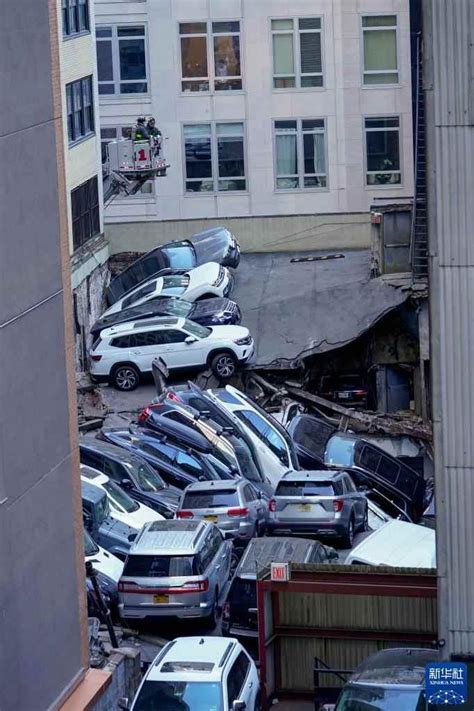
{"points": [[279, 572]]}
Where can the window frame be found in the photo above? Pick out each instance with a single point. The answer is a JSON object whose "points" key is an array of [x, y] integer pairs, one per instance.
{"points": [[301, 175], [69, 6], [71, 89], [211, 70], [114, 39], [91, 210], [216, 179], [363, 29], [297, 53], [384, 186]]}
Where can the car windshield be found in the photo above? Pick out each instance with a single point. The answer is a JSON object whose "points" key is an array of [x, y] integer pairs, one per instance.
{"points": [[180, 255], [243, 592], [175, 284], [375, 698], [339, 452], [196, 330], [103, 509], [119, 500], [182, 695], [305, 488], [90, 546], [149, 288], [148, 478]]}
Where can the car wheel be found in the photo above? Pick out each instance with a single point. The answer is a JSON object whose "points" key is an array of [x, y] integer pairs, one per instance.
{"points": [[348, 539], [126, 378], [224, 365], [211, 622]]}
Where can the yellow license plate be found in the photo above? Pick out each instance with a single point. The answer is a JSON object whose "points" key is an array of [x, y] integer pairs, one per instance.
{"points": [[305, 507], [213, 519], [157, 599]]}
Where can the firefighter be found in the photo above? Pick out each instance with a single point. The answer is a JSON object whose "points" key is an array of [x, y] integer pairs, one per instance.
{"points": [[140, 132], [154, 134]]}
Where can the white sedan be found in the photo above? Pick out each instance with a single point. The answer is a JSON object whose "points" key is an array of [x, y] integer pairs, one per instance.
{"points": [[206, 281]]}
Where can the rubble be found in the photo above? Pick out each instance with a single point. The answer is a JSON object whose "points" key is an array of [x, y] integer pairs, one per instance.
{"points": [[92, 406]]}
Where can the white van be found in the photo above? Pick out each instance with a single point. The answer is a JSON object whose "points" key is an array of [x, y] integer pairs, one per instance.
{"points": [[399, 544]]}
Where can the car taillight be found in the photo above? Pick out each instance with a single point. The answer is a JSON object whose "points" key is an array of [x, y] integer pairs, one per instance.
{"points": [[198, 586], [237, 511], [184, 514], [96, 358], [146, 412], [272, 504], [226, 610], [338, 504], [173, 396], [360, 392], [128, 587]]}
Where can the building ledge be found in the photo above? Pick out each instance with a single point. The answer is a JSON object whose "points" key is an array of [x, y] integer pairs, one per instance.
{"points": [[87, 693]]}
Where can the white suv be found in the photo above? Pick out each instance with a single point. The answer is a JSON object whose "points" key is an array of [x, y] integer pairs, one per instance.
{"points": [[208, 673], [123, 352]]}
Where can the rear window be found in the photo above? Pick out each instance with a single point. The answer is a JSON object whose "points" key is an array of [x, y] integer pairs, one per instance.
{"points": [[305, 488], [243, 592], [210, 499], [153, 566]]}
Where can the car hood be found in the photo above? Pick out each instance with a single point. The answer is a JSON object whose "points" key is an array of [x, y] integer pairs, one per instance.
{"points": [[229, 333], [209, 307], [137, 519], [212, 245], [106, 563], [203, 275]]}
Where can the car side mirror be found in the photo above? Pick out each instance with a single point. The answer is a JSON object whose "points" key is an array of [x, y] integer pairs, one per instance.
{"points": [[126, 484], [239, 705], [333, 554], [228, 536], [189, 339], [132, 537], [124, 703], [259, 495]]}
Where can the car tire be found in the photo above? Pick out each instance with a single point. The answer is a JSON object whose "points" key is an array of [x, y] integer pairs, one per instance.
{"points": [[213, 618], [224, 365], [347, 539], [125, 377]]}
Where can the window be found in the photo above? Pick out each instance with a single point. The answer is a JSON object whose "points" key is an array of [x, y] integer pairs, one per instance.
{"points": [[297, 53], [214, 157], [380, 49], [300, 154], [382, 138], [85, 212], [80, 109], [75, 17], [121, 60], [236, 677], [210, 56], [149, 288], [189, 464], [92, 459], [175, 336], [265, 433]]}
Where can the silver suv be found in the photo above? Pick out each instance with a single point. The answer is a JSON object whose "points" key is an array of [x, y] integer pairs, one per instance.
{"points": [[321, 503], [175, 569], [236, 507]]}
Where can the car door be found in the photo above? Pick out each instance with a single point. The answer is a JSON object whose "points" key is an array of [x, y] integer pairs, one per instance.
{"points": [[255, 504], [221, 561], [184, 354], [240, 684], [358, 500], [146, 346]]}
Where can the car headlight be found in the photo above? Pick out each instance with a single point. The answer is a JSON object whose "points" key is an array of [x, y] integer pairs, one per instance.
{"points": [[220, 277], [246, 341]]}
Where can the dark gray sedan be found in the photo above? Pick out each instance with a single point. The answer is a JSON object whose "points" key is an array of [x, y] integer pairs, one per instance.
{"points": [[319, 503]]}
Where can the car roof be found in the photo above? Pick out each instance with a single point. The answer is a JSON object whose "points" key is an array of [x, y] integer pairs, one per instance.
{"points": [[94, 476], [317, 475], [260, 552], [140, 325], [397, 543], [395, 666], [217, 485], [192, 655], [170, 537], [185, 433], [111, 450]]}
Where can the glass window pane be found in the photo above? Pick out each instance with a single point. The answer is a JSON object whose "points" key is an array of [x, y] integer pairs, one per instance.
{"points": [[106, 89], [379, 21], [199, 186], [132, 59], [230, 153], [382, 150], [383, 122], [283, 60], [104, 61], [194, 56], [198, 157], [227, 56], [131, 31], [103, 32], [315, 181], [197, 129], [202, 85], [309, 23], [191, 28], [226, 26], [309, 124], [229, 129], [309, 81], [229, 185], [284, 83], [381, 78], [134, 88], [285, 125], [380, 50], [310, 52], [314, 153], [286, 158], [287, 183], [282, 24], [228, 84]]}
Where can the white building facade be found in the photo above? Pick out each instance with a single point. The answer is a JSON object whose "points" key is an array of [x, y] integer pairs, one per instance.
{"points": [[82, 165], [285, 119]]}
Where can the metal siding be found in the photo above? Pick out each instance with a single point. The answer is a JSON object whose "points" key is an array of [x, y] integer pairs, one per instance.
{"points": [[449, 81]]}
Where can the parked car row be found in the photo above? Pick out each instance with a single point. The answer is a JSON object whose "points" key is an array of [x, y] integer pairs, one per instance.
{"points": [[172, 304]]}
